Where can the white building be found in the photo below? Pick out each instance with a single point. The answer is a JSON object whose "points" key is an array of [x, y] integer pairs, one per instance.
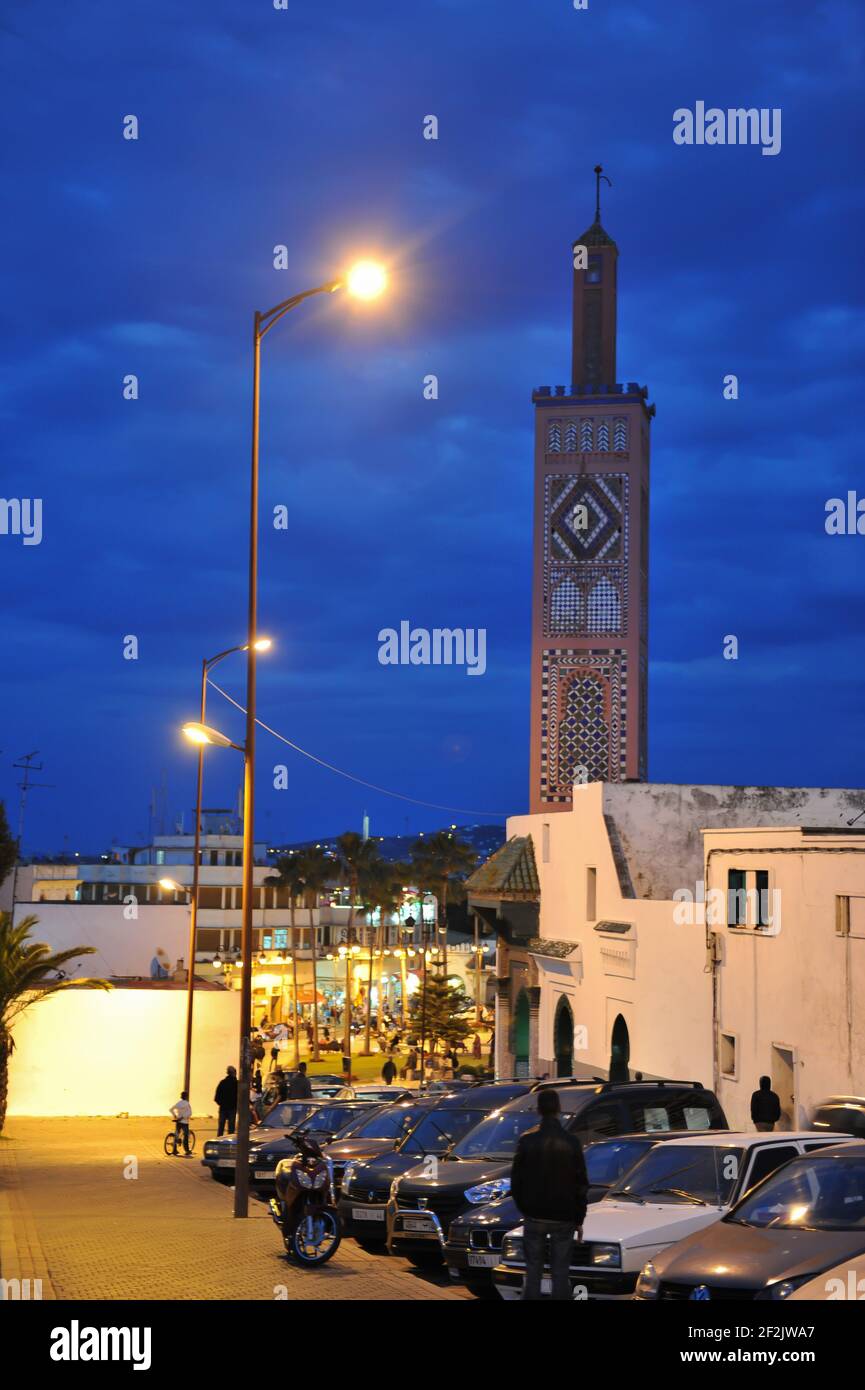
{"points": [[701, 932]]}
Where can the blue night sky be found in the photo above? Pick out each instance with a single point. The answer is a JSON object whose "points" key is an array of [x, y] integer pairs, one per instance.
{"points": [[304, 127]]}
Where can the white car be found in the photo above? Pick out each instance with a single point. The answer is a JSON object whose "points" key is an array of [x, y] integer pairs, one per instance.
{"points": [[678, 1187]]}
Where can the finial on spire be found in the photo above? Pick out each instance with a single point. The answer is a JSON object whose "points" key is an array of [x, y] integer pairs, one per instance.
{"points": [[599, 174]]}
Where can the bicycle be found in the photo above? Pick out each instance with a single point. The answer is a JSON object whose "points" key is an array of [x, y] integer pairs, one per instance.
{"points": [[174, 1141]]}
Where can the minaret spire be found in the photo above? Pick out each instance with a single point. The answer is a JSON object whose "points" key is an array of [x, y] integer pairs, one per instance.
{"points": [[599, 174]]}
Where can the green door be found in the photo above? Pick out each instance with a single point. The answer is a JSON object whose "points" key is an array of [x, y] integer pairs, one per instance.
{"points": [[521, 1035], [564, 1039]]}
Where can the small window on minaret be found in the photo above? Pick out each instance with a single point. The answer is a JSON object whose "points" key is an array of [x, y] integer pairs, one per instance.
{"points": [[593, 270]]}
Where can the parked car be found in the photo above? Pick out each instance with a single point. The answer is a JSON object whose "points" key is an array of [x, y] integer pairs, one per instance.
{"points": [[674, 1190], [376, 1133], [323, 1124], [798, 1224], [423, 1203], [841, 1114], [473, 1242], [218, 1154], [366, 1185], [843, 1281]]}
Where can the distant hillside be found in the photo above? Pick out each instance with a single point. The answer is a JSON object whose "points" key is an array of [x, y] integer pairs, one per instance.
{"points": [[485, 840]]}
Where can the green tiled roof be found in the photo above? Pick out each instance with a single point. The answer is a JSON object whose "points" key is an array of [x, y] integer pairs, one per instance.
{"points": [[509, 873], [595, 236]]}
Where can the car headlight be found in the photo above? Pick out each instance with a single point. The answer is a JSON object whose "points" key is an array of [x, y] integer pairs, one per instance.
{"points": [[609, 1255], [210, 1150], [512, 1250], [648, 1283], [488, 1191], [782, 1289], [394, 1189], [348, 1176]]}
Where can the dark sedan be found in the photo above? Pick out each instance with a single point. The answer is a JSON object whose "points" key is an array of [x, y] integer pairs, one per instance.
{"points": [[367, 1185], [323, 1124], [219, 1154], [375, 1134], [803, 1219], [474, 1239]]}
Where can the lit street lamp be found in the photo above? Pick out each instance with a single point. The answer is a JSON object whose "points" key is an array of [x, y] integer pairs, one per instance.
{"points": [[365, 280], [201, 734]]}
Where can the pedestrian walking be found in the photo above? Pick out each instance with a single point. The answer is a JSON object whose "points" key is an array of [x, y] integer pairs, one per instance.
{"points": [[476, 1045], [411, 1063], [765, 1107], [299, 1087], [225, 1096], [182, 1112], [549, 1185], [388, 1072]]}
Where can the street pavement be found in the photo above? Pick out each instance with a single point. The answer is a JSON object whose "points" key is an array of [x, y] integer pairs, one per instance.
{"points": [[95, 1210]]}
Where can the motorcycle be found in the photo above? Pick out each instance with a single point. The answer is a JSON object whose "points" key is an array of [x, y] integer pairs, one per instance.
{"points": [[304, 1208]]}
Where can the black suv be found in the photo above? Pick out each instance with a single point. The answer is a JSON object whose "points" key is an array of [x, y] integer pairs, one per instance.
{"points": [[477, 1169], [366, 1185], [377, 1133]]}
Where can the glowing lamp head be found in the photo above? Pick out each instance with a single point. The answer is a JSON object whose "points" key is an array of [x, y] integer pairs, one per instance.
{"points": [[170, 885], [366, 280], [262, 644], [203, 733]]}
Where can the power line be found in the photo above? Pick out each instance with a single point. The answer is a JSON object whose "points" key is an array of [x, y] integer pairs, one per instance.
{"points": [[432, 805]]}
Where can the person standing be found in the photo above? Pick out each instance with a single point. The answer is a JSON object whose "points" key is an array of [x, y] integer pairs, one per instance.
{"points": [[765, 1107], [299, 1087], [388, 1072], [182, 1112], [549, 1185], [225, 1096]]}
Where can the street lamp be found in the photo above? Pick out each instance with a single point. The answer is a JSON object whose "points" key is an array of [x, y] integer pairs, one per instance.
{"points": [[365, 280], [201, 735]]}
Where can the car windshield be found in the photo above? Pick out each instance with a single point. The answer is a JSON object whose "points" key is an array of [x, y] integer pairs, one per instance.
{"points": [[699, 1173], [439, 1130], [608, 1160], [331, 1118], [818, 1194], [387, 1123], [497, 1135], [288, 1115]]}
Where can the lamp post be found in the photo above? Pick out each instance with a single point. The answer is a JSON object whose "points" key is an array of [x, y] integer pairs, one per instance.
{"points": [[207, 665], [365, 281]]}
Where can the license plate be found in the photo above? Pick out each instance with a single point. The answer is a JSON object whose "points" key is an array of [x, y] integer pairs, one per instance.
{"points": [[225, 1163], [482, 1261], [414, 1223], [546, 1285], [367, 1214], [264, 1172]]}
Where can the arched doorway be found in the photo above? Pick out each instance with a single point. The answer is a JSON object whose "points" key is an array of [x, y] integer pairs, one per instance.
{"points": [[563, 1038], [521, 1035], [620, 1051]]}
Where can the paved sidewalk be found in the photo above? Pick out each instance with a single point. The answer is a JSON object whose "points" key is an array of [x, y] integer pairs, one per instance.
{"points": [[94, 1209]]}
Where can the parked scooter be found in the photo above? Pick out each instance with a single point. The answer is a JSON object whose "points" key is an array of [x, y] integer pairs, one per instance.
{"points": [[304, 1208]]}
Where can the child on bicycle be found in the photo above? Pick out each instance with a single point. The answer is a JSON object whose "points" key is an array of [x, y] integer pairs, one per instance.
{"points": [[181, 1111]]}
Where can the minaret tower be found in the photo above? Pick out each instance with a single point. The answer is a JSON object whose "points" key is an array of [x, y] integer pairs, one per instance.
{"points": [[591, 551]]}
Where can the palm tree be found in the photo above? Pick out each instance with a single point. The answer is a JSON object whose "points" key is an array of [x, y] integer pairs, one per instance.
{"points": [[438, 860], [314, 869], [28, 972], [287, 876], [356, 857], [382, 889]]}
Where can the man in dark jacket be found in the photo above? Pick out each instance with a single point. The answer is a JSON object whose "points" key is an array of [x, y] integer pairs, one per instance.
{"points": [[765, 1107], [299, 1087], [226, 1099], [549, 1184]]}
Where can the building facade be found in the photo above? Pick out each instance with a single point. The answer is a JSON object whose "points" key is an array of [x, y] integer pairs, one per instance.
{"points": [[709, 933], [589, 662]]}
